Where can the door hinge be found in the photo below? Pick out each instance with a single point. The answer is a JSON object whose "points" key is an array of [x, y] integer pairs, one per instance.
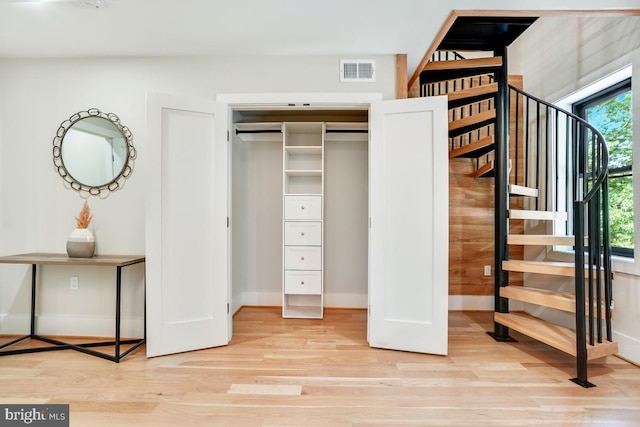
{"points": [[227, 308], [227, 136], [228, 221]]}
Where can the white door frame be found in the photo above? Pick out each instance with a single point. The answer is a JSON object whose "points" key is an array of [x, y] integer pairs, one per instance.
{"points": [[319, 101], [287, 101]]}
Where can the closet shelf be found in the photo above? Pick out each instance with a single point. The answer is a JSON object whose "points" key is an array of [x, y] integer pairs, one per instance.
{"points": [[303, 172], [303, 194], [303, 149]]}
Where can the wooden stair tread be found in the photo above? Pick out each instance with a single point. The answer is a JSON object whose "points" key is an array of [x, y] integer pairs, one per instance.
{"points": [[559, 337], [475, 149], [473, 94], [559, 300], [466, 124], [539, 215], [484, 171], [520, 190], [489, 62], [555, 268], [540, 239], [564, 301]]}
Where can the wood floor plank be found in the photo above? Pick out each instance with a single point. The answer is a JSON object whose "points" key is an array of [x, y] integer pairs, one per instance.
{"points": [[310, 373]]}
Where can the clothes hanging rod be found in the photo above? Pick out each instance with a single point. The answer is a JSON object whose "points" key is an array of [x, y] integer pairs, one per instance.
{"points": [[238, 131], [347, 131]]}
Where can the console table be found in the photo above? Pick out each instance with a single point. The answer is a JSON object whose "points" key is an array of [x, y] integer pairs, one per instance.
{"points": [[35, 259]]}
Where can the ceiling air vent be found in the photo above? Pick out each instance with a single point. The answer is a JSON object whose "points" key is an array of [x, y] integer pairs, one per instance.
{"points": [[357, 70]]}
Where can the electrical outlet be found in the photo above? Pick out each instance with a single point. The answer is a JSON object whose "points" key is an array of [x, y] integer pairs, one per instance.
{"points": [[487, 270], [74, 282]]}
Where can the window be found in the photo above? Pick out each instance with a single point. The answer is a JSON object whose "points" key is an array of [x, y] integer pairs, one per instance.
{"points": [[609, 111]]}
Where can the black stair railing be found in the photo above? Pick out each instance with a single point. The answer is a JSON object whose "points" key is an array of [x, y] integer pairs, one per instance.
{"points": [[566, 158]]}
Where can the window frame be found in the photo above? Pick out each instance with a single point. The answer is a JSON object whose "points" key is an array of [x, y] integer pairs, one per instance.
{"points": [[579, 108]]}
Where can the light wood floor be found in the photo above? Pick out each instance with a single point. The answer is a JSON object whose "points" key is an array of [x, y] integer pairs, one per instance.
{"points": [[308, 373]]}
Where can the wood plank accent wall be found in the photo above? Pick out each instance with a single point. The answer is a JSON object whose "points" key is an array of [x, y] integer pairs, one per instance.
{"points": [[471, 222]]}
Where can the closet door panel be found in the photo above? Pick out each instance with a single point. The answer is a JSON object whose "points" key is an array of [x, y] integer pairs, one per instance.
{"points": [[186, 225], [408, 288]]}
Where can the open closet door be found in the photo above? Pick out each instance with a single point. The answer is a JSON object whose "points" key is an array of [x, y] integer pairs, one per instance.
{"points": [[186, 225], [409, 229]]}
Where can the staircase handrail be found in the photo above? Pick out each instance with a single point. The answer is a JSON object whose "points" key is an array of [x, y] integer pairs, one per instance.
{"points": [[589, 166], [604, 171], [548, 136]]}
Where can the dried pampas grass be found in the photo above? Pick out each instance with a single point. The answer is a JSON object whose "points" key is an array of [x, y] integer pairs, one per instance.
{"points": [[84, 219]]}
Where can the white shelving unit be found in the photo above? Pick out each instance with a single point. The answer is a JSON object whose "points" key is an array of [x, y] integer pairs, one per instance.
{"points": [[303, 208]]}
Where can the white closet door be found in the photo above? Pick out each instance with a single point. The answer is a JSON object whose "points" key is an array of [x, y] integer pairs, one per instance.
{"points": [[409, 230], [186, 225]]}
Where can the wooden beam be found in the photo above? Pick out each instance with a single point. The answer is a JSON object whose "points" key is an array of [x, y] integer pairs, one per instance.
{"points": [[402, 90], [548, 12], [432, 48]]}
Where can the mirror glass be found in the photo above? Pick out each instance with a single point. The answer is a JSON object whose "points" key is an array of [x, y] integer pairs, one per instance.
{"points": [[93, 152]]}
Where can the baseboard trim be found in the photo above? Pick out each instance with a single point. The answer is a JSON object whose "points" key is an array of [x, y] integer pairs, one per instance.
{"points": [[335, 300], [72, 326], [628, 347]]}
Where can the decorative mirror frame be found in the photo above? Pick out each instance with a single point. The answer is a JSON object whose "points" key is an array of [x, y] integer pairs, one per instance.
{"points": [[84, 189]]}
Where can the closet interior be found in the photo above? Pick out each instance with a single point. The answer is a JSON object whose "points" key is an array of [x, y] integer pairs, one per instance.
{"points": [[299, 209]]}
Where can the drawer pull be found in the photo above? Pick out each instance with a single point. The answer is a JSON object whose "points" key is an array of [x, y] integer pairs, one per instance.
{"points": [[302, 234], [302, 207], [301, 258], [302, 283]]}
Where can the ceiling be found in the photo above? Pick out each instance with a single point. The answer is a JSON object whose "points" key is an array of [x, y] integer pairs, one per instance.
{"points": [[350, 28]]}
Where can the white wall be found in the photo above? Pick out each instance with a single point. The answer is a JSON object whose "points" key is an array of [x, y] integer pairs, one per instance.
{"points": [[559, 56], [37, 211]]}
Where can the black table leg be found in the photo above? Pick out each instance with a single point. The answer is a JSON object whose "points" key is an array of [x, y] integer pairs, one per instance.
{"points": [[118, 298], [33, 300]]}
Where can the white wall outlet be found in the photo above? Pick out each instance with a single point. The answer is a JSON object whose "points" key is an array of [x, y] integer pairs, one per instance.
{"points": [[74, 282], [487, 270]]}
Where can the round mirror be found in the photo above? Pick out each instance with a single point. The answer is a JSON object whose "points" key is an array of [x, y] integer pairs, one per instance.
{"points": [[93, 152]]}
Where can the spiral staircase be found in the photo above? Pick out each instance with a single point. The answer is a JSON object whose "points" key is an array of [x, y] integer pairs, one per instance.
{"points": [[516, 139]]}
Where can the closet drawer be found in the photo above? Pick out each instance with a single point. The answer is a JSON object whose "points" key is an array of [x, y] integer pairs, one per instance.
{"points": [[303, 282], [302, 258], [302, 207], [303, 233]]}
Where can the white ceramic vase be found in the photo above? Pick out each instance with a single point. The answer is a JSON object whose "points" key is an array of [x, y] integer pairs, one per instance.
{"points": [[81, 243]]}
